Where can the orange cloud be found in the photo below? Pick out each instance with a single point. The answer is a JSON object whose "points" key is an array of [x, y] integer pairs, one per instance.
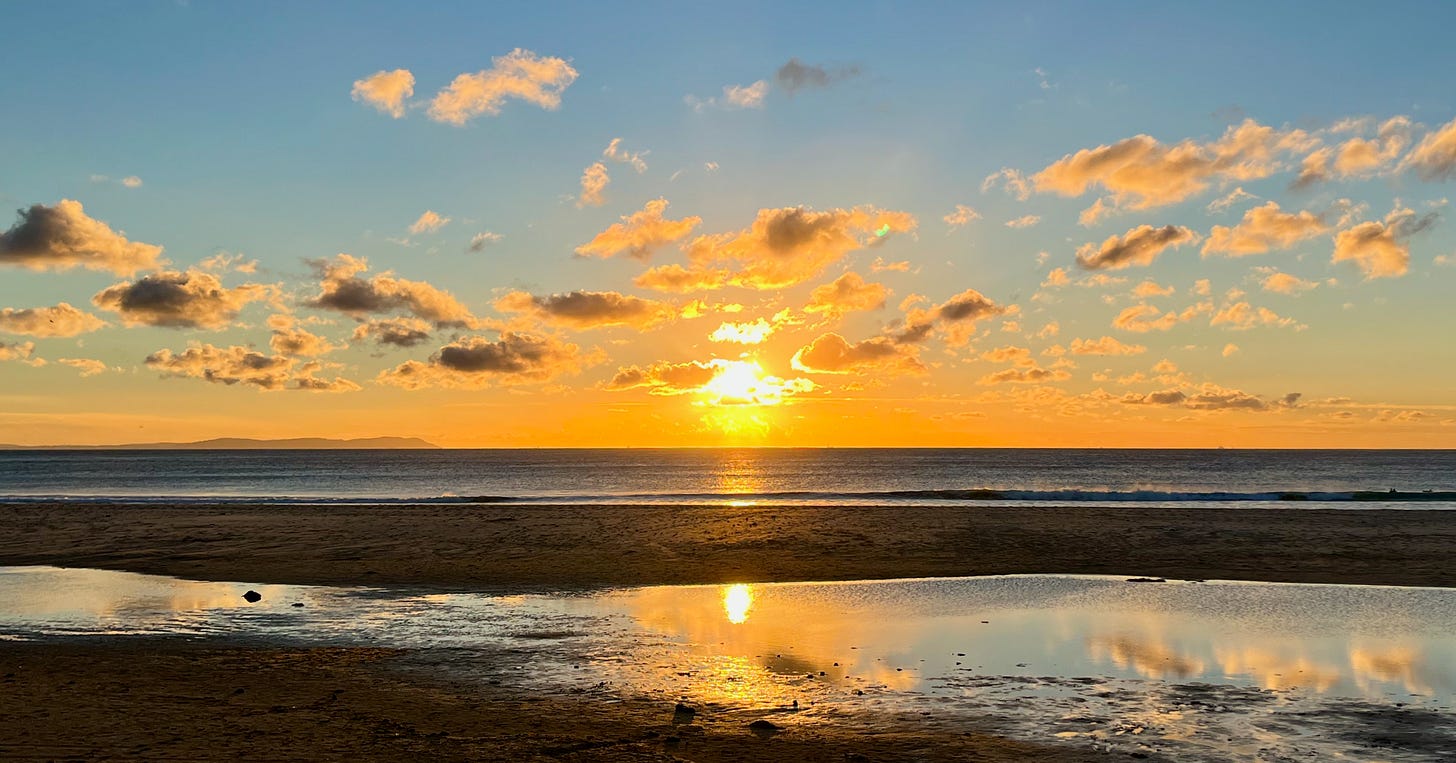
{"points": [[594, 180], [589, 309], [1434, 158], [1105, 346], [1139, 246], [62, 320], [1032, 374], [520, 74], [1284, 283], [21, 351], [783, 247], [640, 233], [1242, 316], [63, 237], [847, 293], [1380, 249], [664, 378], [831, 354], [429, 222], [1141, 173], [753, 332], [1145, 318], [290, 340], [386, 91], [1263, 228]]}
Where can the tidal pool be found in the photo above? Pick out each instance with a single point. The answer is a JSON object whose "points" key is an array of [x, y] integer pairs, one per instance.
{"points": [[1199, 670]]}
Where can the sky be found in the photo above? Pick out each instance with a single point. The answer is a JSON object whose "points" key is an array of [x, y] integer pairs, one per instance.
{"points": [[805, 224]]}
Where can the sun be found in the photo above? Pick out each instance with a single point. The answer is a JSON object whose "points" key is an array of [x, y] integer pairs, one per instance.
{"points": [[743, 382]]}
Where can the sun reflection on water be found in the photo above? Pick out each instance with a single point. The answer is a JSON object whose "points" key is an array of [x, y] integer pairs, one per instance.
{"points": [[737, 599]]}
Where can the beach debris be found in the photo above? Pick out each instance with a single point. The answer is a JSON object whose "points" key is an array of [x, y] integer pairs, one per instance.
{"points": [[252, 597], [682, 713], [298, 604], [1146, 580]]}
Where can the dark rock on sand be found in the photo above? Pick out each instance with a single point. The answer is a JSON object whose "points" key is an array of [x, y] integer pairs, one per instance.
{"points": [[763, 726], [252, 597], [683, 713], [1146, 580]]}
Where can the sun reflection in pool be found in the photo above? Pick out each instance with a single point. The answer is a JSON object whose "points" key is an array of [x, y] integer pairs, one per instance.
{"points": [[737, 599]]}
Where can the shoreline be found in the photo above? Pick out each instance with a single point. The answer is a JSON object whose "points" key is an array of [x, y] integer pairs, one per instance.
{"points": [[544, 548]]}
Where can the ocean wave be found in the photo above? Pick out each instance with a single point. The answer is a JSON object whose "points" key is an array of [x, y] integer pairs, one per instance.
{"points": [[937, 496]]}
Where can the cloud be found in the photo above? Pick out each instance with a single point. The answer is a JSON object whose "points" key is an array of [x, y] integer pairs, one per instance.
{"points": [[881, 266], [961, 216], [616, 153], [753, 332], [130, 181], [1150, 288], [429, 222], [1020, 356], [386, 91], [23, 352], [520, 74], [1230, 349], [1141, 173], [63, 237], [1242, 316], [475, 362], [1139, 246], [746, 96], [847, 293], [676, 279], [1223, 203], [831, 354], [797, 75], [640, 233], [1032, 374], [480, 241], [1284, 283], [399, 332], [1013, 181], [62, 320], [783, 247], [288, 339], [343, 290], [589, 309], [172, 299], [1263, 228], [1380, 249], [1025, 221], [1211, 397], [1359, 156], [955, 318], [1144, 318], [1105, 346], [594, 180], [1434, 158], [241, 365], [223, 262], [664, 378], [86, 366]]}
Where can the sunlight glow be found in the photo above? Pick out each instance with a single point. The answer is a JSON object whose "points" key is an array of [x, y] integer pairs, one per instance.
{"points": [[737, 599], [743, 382]]}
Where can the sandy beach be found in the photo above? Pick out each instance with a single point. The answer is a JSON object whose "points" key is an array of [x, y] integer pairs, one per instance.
{"points": [[548, 548], [174, 699]]}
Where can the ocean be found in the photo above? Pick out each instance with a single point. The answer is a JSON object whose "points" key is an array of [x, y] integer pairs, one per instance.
{"points": [[1424, 479]]}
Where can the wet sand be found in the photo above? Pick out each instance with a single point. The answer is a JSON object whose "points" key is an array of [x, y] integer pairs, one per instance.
{"points": [[546, 548], [178, 700], [166, 699]]}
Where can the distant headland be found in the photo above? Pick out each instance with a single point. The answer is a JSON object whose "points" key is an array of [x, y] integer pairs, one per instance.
{"points": [[243, 443]]}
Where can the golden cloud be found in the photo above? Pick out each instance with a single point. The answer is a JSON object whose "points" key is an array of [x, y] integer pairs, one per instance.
{"points": [[63, 320], [520, 74], [640, 233], [386, 91], [847, 293], [241, 365], [63, 237], [1263, 228], [343, 290], [831, 354]]}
